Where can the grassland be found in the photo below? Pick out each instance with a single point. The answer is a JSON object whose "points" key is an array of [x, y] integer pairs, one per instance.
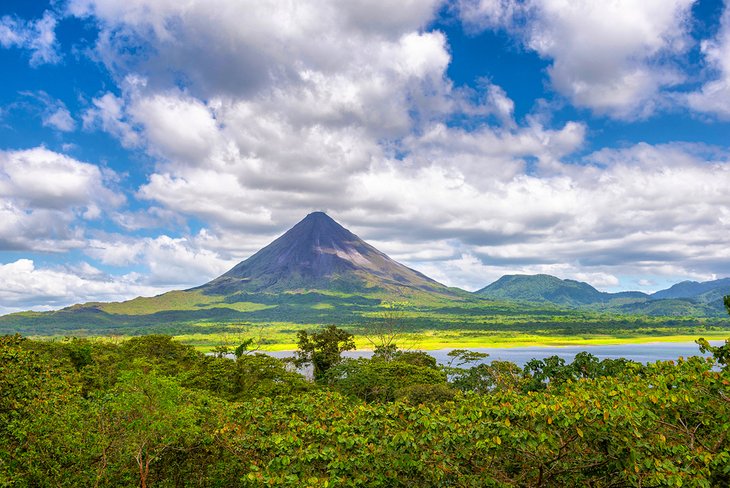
{"points": [[276, 340], [206, 321]]}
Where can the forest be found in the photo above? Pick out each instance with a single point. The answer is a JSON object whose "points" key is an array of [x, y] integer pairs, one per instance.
{"points": [[151, 411]]}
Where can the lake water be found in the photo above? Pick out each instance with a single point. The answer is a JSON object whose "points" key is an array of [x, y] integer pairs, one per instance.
{"points": [[643, 353]]}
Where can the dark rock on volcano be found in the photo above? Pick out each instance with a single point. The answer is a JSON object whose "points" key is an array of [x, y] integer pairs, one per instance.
{"points": [[320, 254]]}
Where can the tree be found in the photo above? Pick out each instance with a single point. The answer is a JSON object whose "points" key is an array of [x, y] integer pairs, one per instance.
{"points": [[380, 380], [145, 419], [383, 333], [322, 349], [484, 378], [720, 353], [248, 340]]}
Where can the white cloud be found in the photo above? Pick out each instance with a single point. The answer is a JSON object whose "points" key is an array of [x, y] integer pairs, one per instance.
{"points": [[45, 196], [479, 15], [280, 41], [53, 112], [107, 114], [48, 179], [161, 116], [714, 96], [175, 262], [615, 58], [488, 155], [148, 218], [23, 286], [60, 119], [607, 56], [657, 210], [37, 36]]}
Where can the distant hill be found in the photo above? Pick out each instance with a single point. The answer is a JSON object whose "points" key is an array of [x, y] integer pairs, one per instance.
{"points": [[704, 291], [547, 288], [688, 298]]}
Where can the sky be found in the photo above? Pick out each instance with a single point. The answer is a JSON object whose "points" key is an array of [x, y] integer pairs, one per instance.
{"points": [[149, 146]]}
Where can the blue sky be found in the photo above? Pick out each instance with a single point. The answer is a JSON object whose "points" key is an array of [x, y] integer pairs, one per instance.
{"points": [[149, 146]]}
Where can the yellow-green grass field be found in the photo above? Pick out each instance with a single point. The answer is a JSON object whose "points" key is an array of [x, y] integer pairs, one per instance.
{"points": [[282, 337]]}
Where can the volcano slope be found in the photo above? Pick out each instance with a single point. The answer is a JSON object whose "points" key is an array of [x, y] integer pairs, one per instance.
{"points": [[317, 272]]}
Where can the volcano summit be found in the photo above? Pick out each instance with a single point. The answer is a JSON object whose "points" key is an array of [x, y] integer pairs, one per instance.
{"points": [[320, 254]]}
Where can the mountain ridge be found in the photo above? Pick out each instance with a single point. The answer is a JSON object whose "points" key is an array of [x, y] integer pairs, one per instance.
{"points": [[683, 298]]}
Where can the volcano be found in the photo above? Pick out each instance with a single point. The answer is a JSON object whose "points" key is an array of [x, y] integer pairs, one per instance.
{"points": [[316, 272], [320, 254]]}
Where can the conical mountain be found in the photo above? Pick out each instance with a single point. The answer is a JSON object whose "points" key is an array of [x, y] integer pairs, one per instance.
{"points": [[320, 254]]}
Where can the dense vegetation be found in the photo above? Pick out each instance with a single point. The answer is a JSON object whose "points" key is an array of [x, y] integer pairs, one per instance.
{"points": [[150, 411]]}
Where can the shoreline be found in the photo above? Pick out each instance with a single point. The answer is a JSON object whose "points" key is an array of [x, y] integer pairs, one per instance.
{"points": [[554, 341], [437, 340]]}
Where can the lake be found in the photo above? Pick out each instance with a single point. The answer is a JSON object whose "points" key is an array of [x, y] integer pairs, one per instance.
{"points": [[643, 353]]}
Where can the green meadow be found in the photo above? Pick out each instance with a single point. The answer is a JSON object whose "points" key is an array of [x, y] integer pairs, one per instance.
{"points": [[273, 320]]}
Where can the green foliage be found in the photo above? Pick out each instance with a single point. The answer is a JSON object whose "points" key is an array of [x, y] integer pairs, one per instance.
{"points": [[595, 432], [322, 349], [552, 371], [152, 412], [249, 376], [242, 348], [376, 380], [146, 419], [460, 357], [488, 377], [720, 353]]}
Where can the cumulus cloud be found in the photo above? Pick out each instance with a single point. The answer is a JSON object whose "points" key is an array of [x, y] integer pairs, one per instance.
{"points": [[45, 196], [280, 42], [347, 107], [59, 118], [656, 210], [615, 58], [714, 96], [479, 15], [178, 262], [106, 113], [487, 155], [24, 286], [37, 36]]}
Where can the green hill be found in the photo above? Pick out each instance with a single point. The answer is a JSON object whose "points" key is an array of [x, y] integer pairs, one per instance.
{"points": [[547, 288], [686, 299]]}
